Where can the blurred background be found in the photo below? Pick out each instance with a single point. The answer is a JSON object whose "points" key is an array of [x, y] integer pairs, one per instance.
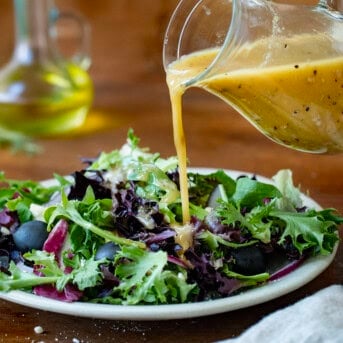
{"points": [[126, 44], [130, 91], [126, 50], [127, 72]]}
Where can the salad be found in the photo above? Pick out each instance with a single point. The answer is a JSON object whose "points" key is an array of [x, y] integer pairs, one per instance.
{"points": [[112, 232]]}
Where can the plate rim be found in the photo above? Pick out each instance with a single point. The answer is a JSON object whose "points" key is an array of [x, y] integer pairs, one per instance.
{"points": [[305, 273]]}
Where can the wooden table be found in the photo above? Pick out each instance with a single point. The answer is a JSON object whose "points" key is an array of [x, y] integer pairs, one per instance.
{"points": [[131, 92]]}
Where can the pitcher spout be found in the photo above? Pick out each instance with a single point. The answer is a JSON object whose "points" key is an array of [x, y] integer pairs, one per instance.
{"points": [[279, 65], [229, 26]]}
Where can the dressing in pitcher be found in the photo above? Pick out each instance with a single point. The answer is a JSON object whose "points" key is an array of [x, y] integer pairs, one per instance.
{"points": [[278, 65]]}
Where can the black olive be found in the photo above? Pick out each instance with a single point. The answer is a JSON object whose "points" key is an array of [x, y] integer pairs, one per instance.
{"points": [[249, 261], [108, 250], [154, 247], [30, 235], [4, 261]]}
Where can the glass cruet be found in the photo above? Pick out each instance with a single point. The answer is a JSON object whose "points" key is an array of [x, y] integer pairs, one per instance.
{"points": [[41, 92], [279, 65]]}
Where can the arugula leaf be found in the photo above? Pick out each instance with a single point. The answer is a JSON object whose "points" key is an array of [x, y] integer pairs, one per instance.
{"points": [[19, 279]]}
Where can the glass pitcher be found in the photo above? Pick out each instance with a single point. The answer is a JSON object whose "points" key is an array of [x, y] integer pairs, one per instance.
{"points": [[42, 93], [279, 65]]}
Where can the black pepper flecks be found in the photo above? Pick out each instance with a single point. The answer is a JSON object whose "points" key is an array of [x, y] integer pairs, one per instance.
{"points": [[296, 66], [307, 108], [223, 91]]}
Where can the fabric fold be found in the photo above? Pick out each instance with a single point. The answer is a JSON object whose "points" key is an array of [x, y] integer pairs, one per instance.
{"points": [[315, 319]]}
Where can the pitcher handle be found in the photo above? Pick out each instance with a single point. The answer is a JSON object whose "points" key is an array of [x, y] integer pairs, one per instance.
{"points": [[82, 56], [333, 6]]}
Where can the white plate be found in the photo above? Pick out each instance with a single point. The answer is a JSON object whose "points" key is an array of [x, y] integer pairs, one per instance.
{"points": [[310, 269]]}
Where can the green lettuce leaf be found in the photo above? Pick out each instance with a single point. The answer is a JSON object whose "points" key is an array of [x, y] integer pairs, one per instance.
{"points": [[291, 195], [213, 241], [145, 280], [86, 273], [19, 279], [132, 153], [250, 193], [246, 280], [256, 221], [201, 186], [308, 230], [19, 195], [77, 212], [153, 183]]}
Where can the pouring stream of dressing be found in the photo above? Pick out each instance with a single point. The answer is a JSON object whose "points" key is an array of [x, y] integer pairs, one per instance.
{"points": [[296, 105]]}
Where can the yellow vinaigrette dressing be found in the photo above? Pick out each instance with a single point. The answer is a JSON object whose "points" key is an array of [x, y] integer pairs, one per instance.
{"points": [[298, 105]]}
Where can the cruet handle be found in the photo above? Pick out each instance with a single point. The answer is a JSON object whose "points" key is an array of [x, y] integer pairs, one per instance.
{"points": [[81, 56]]}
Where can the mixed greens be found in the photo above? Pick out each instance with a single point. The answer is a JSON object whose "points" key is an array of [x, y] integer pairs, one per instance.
{"points": [[112, 232]]}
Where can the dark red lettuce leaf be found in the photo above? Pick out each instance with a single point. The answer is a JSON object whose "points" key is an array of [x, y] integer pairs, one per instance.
{"points": [[212, 284], [94, 179], [56, 238], [69, 294], [8, 218]]}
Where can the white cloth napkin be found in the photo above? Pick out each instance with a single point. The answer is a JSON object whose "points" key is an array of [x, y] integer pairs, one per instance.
{"points": [[315, 319]]}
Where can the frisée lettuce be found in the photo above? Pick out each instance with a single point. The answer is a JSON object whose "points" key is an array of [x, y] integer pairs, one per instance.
{"points": [[115, 233]]}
